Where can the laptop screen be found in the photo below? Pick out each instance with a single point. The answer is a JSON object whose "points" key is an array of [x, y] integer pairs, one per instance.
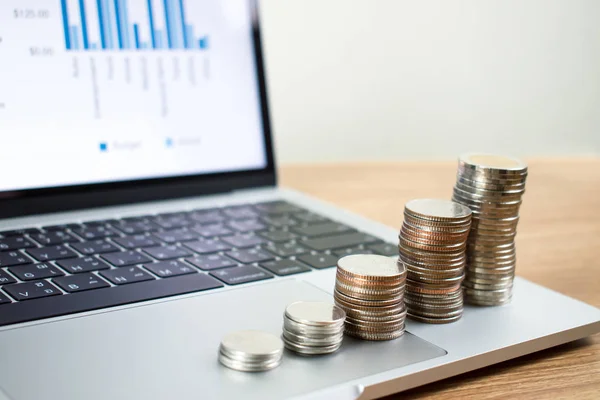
{"points": [[98, 91]]}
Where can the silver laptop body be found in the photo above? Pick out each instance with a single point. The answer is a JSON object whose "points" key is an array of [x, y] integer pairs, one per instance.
{"points": [[158, 127]]}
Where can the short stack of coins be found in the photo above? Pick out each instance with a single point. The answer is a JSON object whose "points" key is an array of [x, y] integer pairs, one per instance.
{"points": [[312, 328], [251, 351], [492, 187], [432, 245], [370, 289]]}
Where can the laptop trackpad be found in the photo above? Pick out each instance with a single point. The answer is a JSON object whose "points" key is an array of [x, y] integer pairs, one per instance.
{"points": [[169, 351]]}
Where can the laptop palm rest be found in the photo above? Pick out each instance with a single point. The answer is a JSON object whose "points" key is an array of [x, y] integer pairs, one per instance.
{"points": [[169, 351]]}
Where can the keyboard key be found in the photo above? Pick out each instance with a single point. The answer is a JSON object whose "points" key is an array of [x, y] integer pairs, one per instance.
{"points": [[15, 243], [167, 252], [279, 221], [102, 222], [352, 250], [80, 283], [125, 258], [249, 256], [286, 249], [107, 297], [168, 269], [31, 290], [94, 232], [285, 267], [242, 274], [209, 216], [53, 238], [6, 279], [327, 228], [177, 235], [35, 271], [63, 227], [213, 230], [20, 232], [311, 218], [277, 207], [95, 247], [124, 276], [340, 241], [245, 240], [319, 261], [172, 221], [80, 265], [246, 225], [136, 241], [211, 261], [278, 235], [384, 249], [135, 227], [207, 246], [4, 299], [8, 259], [239, 212], [49, 253]]}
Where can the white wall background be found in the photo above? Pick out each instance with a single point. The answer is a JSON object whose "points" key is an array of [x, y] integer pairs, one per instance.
{"points": [[422, 79]]}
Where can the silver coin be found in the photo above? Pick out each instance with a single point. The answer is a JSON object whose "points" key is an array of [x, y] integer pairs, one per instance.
{"points": [[313, 341], [437, 320], [492, 163], [310, 330], [436, 209], [310, 350], [252, 345], [375, 336], [371, 266], [315, 313], [249, 366]]}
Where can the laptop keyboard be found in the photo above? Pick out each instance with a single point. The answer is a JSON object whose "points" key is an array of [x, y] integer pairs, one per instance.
{"points": [[64, 269]]}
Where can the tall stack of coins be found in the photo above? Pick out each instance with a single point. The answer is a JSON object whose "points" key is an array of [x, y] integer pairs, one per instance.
{"points": [[313, 327], [370, 289], [432, 246], [251, 351], [492, 187]]}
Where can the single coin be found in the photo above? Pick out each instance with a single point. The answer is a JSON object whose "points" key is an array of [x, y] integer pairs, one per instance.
{"points": [[437, 209], [371, 267], [429, 320], [252, 344], [492, 163], [311, 330], [310, 350], [315, 313], [375, 336], [394, 300], [313, 341], [249, 366]]}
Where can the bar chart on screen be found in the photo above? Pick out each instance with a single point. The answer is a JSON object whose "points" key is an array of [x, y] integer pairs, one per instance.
{"points": [[137, 56]]}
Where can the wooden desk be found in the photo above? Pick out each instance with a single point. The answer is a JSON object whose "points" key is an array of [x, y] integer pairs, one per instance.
{"points": [[558, 246]]}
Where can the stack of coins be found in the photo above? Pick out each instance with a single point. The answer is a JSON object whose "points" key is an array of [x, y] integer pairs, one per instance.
{"points": [[432, 246], [370, 288], [311, 328], [492, 187], [251, 351]]}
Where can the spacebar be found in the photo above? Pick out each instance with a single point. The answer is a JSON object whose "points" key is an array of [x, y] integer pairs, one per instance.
{"points": [[48, 307]]}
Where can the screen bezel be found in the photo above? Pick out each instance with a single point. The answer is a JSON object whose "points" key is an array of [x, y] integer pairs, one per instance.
{"points": [[47, 200]]}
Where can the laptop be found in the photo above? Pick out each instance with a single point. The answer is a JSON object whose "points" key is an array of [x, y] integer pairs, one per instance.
{"points": [[140, 221]]}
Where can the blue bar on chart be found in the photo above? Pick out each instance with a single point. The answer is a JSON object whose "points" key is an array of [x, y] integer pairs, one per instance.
{"points": [[66, 28], [136, 34], [169, 31], [84, 31], [74, 38]]}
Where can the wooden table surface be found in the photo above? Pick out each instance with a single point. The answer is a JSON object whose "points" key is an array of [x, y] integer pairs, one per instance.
{"points": [[558, 246]]}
